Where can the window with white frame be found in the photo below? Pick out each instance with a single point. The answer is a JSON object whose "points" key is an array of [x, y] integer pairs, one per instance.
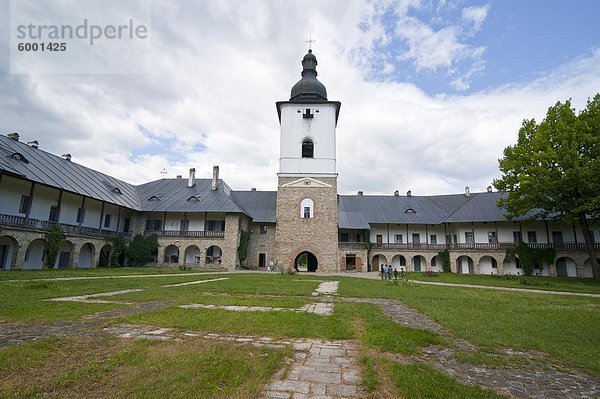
{"points": [[397, 238], [307, 208]]}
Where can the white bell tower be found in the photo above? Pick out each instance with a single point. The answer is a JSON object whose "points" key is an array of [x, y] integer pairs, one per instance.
{"points": [[306, 234], [308, 124]]}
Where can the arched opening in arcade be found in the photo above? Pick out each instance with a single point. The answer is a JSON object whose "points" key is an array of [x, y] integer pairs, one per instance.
{"points": [[105, 253], [306, 262]]}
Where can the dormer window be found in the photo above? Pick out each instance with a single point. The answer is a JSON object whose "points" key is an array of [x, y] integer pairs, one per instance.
{"points": [[154, 198], [308, 148], [19, 157], [409, 210], [193, 198], [117, 190]]}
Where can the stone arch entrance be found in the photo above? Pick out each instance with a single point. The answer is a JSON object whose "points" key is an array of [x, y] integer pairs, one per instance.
{"points": [[8, 250], [464, 265], [86, 256], [306, 262], [35, 254], [105, 253]]}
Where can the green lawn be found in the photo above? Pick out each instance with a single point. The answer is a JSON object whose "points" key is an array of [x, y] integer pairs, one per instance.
{"points": [[565, 328], [586, 285], [94, 272], [111, 368]]}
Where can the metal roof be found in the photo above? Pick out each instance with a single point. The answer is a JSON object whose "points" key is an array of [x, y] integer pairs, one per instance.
{"points": [[174, 195], [360, 211], [261, 204], [45, 168]]}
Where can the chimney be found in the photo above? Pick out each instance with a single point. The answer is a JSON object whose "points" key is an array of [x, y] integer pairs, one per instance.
{"points": [[396, 193], [409, 193], [359, 193], [178, 177], [489, 189], [192, 177], [66, 157], [215, 178], [13, 136], [253, 189], [467, 191], [33, 144]]}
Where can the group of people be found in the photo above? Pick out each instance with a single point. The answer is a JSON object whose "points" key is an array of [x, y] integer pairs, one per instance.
{"points": [[386, 272]]}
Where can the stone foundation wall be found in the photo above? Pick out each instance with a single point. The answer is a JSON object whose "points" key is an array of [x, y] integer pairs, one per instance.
{"points": [[318, 235], [261, 243]]}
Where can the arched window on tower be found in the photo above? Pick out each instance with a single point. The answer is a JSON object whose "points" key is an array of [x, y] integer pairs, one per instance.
{"points": [[308, 148], [306, 208]]}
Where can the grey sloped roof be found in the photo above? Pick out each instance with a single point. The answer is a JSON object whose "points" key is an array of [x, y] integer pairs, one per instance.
{"points": [[45, 168], [260, 204], [173, 195], [357, 211], [481, 207]]}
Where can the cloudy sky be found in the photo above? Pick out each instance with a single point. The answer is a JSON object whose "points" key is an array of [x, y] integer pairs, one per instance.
{"points": [[431, 91]]}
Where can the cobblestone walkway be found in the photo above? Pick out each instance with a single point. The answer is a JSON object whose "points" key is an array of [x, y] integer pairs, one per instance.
{"points": [[319, 370], [536, 380]]}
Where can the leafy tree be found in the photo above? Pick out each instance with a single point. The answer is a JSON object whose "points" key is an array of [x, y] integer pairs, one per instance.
{"points": [[119, 248], [243, 248], [553, 171], [53, 237], [140, 249]]}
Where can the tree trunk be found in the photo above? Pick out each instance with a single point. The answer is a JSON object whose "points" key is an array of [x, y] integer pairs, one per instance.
{"points": [[585, 229]]}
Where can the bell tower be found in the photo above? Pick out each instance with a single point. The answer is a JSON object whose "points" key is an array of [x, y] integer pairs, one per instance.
{"points": [[306, 235]]}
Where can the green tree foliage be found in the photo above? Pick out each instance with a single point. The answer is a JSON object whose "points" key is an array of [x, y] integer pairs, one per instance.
{"points": [[140, 249], [53, 238], [243, 248], [119, 248], [553, 171], [444, 258], [531, 258]]}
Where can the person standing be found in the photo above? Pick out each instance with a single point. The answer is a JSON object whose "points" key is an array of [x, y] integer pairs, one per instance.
{"points": [[383, 271], [396, 273], [389, 272]]}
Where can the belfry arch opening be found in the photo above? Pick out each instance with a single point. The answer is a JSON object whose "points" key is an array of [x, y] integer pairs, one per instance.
{"points": [[308, 148], [306, 262]]}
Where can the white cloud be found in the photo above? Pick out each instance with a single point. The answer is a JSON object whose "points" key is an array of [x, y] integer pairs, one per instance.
{"points": [[218, 70], [475, 15]]}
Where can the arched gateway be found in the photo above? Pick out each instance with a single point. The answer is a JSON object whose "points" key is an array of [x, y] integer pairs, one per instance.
{"points": [[306, 262]]}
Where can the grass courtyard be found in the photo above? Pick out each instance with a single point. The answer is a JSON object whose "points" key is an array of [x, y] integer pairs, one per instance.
{"points": [[558, 330]]}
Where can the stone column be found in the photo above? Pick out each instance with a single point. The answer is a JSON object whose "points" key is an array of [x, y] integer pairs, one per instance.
{"points": [[552, 270]]}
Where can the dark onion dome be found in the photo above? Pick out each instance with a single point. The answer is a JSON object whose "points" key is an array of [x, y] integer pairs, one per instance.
{"points": [[309, 88]]}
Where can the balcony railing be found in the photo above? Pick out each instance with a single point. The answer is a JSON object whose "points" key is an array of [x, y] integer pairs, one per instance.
{"points": [[189, 233], [566, 246], [37, 224]]}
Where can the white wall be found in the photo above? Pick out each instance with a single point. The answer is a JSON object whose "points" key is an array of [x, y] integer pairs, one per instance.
{"points": [[43, 198], [11, 191], [320, 129]]}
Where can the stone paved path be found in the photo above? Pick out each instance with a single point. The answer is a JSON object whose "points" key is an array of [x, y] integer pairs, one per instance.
{"points": [[319, 370]]}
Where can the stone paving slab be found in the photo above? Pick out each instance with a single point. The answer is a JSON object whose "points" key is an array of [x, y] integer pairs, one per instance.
{"points": [[316, 372], [91, 298], [327, 288], [195, 282], [322, 309]]}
